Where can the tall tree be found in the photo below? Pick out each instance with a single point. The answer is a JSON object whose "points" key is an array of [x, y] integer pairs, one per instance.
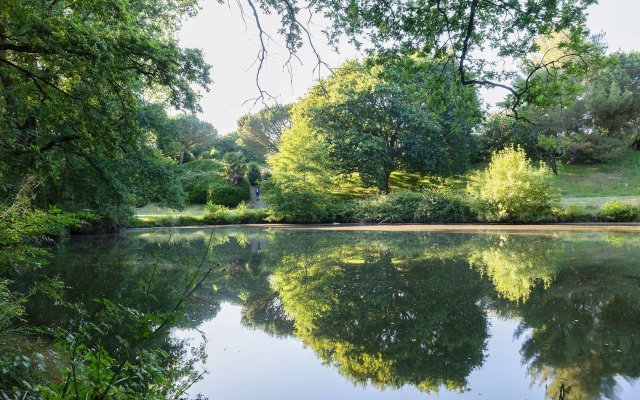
{"points": [[193, 133], [73, 76], [380, 117], [265, 126]]}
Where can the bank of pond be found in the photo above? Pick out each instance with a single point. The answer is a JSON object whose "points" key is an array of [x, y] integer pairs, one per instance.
{"points": [[246, 312]]}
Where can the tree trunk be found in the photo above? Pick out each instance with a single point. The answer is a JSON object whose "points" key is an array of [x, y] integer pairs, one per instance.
{"points": [[384, 187]]}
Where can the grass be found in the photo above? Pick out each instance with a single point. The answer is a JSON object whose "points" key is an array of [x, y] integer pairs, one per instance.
{"points": [[618, 178], [154, 210], [153, 215], [588, 185]]}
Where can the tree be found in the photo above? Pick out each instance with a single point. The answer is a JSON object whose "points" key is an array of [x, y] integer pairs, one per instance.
{"points": [[73, 76], [253, 173], [193, 133], [265, 126], [465, 34], [377, 117], [235, 167], [612, 97]]}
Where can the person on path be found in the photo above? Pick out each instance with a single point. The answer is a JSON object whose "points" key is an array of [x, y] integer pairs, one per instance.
{"points": [[257, 193]]}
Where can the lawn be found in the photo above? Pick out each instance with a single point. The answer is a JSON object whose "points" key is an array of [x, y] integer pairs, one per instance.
{"points": [[154, 210], [617, 178]]}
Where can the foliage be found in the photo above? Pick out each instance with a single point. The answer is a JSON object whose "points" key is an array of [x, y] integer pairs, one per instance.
{"points": [[235, 166], [464, 33], [222, 192], [25, 231], [197, 176], [613, 96], [512, 189], [296, 205], [405, 206], [620, 212], [193, 136], [376, 117], [302, 163], [224, 144], [263, 129], [242, 214], [499, 131], [253, 173], [74, 76], [594, 148]]}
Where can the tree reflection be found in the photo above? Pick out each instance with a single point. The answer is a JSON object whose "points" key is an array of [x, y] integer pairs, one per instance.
{"points": [[384, 321], [585, 331], [581, 301]]}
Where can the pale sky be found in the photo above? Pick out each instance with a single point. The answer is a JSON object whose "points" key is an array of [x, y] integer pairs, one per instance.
{"points": [[231, 47]]}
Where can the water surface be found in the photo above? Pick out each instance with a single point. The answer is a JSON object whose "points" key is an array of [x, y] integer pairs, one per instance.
{"points": [[382, 315]]}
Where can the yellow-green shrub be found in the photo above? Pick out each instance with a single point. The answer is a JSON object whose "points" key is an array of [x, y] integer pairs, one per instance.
{"points": [[512, 189]]}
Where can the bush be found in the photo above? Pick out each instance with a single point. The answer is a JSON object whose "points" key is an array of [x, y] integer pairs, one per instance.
{"points": [[512, 189], [253, 173], [300, 206], [443, 207], [405, 206], [197, 177], [616, 211], [594, 149], [217, 214], [224, 193], [575, 213], [395, 207]]}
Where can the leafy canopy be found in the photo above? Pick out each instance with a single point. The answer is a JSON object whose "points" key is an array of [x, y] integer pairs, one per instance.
{"points": [[376, 117], [73, 76], [472, 36]]}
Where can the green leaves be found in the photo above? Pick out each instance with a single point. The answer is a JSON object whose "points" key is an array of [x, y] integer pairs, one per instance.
{"points": [[74, 75], [379, 116]]}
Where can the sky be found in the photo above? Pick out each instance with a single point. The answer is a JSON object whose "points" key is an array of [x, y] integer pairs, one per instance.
{"points": [[231, 46]]}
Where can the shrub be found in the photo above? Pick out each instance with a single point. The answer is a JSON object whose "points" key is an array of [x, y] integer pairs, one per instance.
{"points": [[197, 177], [593, 149], [443, 207], [222, 192], [299, 206], [620, 212], [253, 173], [405, 206], [512, 189], [235, 166], [395, 207], [217, 214], [575, 213]]}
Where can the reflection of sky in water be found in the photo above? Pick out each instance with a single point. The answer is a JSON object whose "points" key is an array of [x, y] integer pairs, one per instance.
{"points": [[250, 364]]}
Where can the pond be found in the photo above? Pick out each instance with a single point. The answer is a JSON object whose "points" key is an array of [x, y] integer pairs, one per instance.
{"points": [[315, 314]]}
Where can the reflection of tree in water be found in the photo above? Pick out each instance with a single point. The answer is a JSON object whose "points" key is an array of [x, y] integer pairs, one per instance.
{"points": [[386, 322], [586, 331], [515, 265], [581, 299]]}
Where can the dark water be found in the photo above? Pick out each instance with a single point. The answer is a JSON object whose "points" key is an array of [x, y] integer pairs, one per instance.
{"points": [[383, 315]]}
